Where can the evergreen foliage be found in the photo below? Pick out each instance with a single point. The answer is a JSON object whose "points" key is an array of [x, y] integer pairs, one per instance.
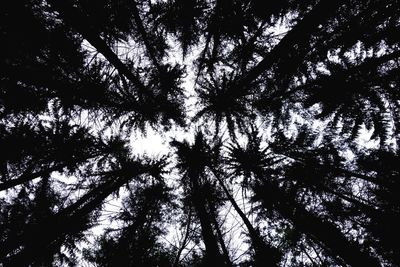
{"points": [[281, 121]]}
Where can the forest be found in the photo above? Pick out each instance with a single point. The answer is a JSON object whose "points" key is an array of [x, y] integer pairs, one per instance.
{"points": [[177, 133]]}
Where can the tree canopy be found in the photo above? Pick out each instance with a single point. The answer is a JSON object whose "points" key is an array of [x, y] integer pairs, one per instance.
{"points": [[280, 124]]}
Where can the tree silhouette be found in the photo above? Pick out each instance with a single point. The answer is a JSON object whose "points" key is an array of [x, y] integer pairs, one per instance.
{"points": [[280, 122]]}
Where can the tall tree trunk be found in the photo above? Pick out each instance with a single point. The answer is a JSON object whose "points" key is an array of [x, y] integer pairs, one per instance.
{"points": [[185, 239], [37, 238], [78, 21], [320, 230], [340, 170], [369, 64], [213, 215], [213, 255], [142, 31], [264, 253], [294, 44], [26, 177]]}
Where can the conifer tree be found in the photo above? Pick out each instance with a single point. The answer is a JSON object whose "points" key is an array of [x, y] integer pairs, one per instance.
{"points": [[280, 122]]}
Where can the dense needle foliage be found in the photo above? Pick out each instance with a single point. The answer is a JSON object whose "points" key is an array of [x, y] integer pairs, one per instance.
{"points": [[280, 122]]}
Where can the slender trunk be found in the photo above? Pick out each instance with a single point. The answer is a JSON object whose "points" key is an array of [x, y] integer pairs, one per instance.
{"points": [[213, 255], [365, 207], [26, 177], [142, 31], [364, 177], [202, 57], [184, 242], [37, 238], [77, 20], [264, 252], [368, 65], [320, 230], [295, 41], [353, 30], [220, 236], [210, 31], [249, 45]]}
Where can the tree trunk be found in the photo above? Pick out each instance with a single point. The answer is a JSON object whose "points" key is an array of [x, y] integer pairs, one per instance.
{"points": [[320, 230], [145, 38], [77, 20], [37, 238], [27, 177], [263, 251], [295, 41], [343, 171], [185, 238], [213, 255], [213, 215], [368, 65]]}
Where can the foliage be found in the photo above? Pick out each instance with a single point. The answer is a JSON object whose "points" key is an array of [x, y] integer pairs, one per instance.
{"points": [[280, 118]]}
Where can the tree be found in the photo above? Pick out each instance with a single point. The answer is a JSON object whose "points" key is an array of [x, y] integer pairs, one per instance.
{"points": [[281, 122], [192, 162], [135, 243]]}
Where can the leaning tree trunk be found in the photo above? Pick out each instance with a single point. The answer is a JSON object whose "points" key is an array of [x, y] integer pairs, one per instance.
{"points": [[145, 38], [38, 238], [264, 253], [213, 255], [185, 239], [213, 216], [370, 64], [294, 46], [320, 230], [339, 170], [29, 175], [77, 20], [26, 177]]}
